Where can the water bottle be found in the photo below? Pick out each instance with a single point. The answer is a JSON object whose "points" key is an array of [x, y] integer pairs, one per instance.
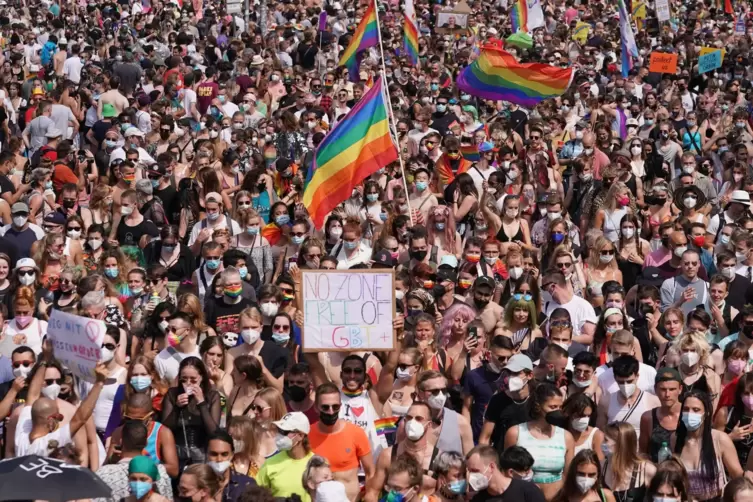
{"points": [[664, 452]]}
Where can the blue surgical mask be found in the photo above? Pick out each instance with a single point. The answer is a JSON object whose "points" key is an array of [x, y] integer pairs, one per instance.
{"points": [[280, 338], [298, 239], [110, 143], [421, 185], [244, 272], [441, 108], [111, 272], [252, 230], [692, 421], [168, 249], [439, 226], [465, 97], [350, 245], [213, 264], [557, 237], [213, 216], [457, 487], [434, 87], [283, 219], [141, 382], [137, 291], [48, 185], [155, 183], [372, 197], [140, 488]]}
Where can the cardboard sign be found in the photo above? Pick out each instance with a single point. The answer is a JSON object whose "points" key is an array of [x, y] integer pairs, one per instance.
{"points": [[662, 10], [710, 61], [662, 62], [77, 342], [707, 50], [348, 310]]}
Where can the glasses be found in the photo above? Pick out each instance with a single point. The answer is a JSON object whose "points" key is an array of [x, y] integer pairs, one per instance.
{"points": [[50, 381], [521, 296], [153, 282], [26, 272], [314, 255], [258, 409], [535, 137], [25, 364], [564, 265], [560, 324], [280, 327], [330, 407], [212, 258], [353, 371], [607, 252], [74, 228], [171, 329], [109, 346], [298, 234], [436, 392]]}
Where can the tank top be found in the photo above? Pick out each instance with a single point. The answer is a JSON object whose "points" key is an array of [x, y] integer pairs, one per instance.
{"points": [[106, 399], [502, 236], [637, 490], [548, 454], [449, 436], [659, 436], [151, 449], [612, 221], [588, 443], [631, 414], [702, 487]]}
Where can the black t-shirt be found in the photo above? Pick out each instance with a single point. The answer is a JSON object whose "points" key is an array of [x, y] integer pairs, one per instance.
{"points": [[224, 317], [6, 185], [505, 412], [518, 491], [169, 198], [307, 55], [518, 120], [275, 358], [130, 236]]}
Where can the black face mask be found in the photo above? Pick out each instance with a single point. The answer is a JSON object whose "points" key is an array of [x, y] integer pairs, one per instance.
{"points": [[748, 331], [438, 290], [328, 418], [297, 393], [481, 304], [665, 242], [557, 418], [69, 204], [164, 134], [418, 255]]}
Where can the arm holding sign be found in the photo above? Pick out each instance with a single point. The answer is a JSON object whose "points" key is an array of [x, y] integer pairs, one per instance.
{"points": [[86, 408], [387, 376]]}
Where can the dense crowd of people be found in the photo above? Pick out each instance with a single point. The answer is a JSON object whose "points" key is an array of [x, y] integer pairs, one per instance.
{"points": [[573, 281]]}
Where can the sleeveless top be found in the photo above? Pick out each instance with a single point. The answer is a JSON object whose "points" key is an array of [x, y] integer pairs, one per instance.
{"points": [[631, 414], [612, 221], [659, 435], [588, 443], [744, 445], [502, 236], [702, 487], [637, 490], [548, 454], [151, 449], [449, 436]]}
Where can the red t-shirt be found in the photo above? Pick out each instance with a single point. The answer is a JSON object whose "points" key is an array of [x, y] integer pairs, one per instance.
{"points": [[169, 73], [205, 93], [62, 174]]}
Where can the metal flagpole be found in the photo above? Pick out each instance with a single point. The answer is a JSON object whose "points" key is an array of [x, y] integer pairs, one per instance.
{"points": [[393, 126]]}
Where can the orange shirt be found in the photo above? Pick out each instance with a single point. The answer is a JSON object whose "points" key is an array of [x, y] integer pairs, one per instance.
{"points": [[342, 449]]}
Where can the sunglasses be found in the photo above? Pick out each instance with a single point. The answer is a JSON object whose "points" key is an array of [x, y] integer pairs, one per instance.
{"points": [[330, 407], [353, 371], [564, 265], [25, 364], [280, 327], [109, 346], [153, 282], [50, 381], [258, 409], [535, 137], [560, 324], [521, 296], [436, 392], [26, 272]]}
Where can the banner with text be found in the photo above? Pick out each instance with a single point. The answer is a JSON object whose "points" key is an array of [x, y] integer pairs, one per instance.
{"points": [[348, 310], [77, 342]]}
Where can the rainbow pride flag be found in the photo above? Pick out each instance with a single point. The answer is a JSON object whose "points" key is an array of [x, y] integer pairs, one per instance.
{"points": [[410, 40], [496, 75], [526, 17], [357, 147], [386, 425], [365, 36], [470, 153]]}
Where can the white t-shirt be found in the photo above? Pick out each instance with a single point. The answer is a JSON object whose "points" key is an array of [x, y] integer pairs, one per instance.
{"points": [[221, 223], [580, 311], [34, 333], [189, 97], [168, 361], [646, 379], [40, 445], [72, 69]]}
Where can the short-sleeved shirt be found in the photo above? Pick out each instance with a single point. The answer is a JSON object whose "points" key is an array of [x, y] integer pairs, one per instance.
{"points": [[168, 362], [504, 412], [205, 93], [62, 174], [342, 449], [283, 475], [518, 491], [39, 446], [481, 384]]}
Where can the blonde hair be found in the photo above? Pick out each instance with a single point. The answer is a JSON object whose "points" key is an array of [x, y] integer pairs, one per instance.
{"points": [[248, 430], [610, 200], [189, 303], [696, 340], [251, 313], [274, 399], [625, 457], [593, 257]]}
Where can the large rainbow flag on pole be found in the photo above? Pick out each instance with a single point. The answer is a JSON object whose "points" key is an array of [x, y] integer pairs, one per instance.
{"points": [[357, 147], [365, 36], [496, 75], [628, 47], [410, 40], [526, 17]]}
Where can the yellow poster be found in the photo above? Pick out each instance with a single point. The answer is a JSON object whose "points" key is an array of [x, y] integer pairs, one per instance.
{"points": [[580, 33], [706, 50]]}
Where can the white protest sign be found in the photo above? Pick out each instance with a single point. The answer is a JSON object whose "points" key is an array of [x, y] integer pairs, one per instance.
{"points": [[662, 10], [348, 310], [77, 342]]}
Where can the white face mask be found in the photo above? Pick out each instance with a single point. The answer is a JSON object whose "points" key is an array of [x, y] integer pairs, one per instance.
{"points": [[606, 258], [269, 309], [627, 389], [636, 150], [690, 358], [514, 384], [414, 430], [95, 244], [163, 326], [106, 355], [478, 481], [250, 336], [437, 402], [399, 294], [582, 383], [553, 216], [219, 467], [22, 371], [628, 233], [580, 424], [74, 234], [584, 483], [515, 273], [20, 221], [27, 280], [51, 391], [679, 251], [511, 213], [690, 202], [728, 272], [283, 443]]}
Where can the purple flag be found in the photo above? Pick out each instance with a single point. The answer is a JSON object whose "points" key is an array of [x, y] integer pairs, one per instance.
{"points": [[323, 21]]}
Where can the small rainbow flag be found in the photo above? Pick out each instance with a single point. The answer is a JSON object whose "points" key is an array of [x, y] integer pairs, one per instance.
{"points": [[358, 146], [386, 425], [470, 153], [410, 40], [365, 36], [496, 75]]}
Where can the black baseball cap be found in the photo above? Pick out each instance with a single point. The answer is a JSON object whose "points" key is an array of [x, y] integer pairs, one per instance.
{"points": [[383, 259]]}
